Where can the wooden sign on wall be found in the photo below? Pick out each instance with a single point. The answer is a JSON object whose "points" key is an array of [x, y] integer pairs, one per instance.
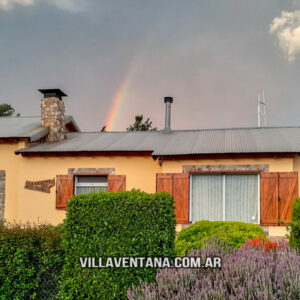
{"points": [[40, 186]]}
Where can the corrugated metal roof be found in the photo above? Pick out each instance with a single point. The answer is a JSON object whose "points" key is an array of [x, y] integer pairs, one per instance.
{"points": [[26, 127], [184, 142]]}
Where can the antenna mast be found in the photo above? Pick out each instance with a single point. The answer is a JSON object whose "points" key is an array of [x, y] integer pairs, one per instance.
{"points": [[258, 110], [261, 110]]}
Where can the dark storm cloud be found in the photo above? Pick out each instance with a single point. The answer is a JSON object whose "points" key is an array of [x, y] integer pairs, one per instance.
{"points": [[213, 57]]}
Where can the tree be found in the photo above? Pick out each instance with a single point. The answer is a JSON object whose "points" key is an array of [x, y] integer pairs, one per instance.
{"points": [[103, 128], [139, 125], [6, 110]]}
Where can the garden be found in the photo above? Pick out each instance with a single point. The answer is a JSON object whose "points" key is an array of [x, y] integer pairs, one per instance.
{"points": [[42, 261]]}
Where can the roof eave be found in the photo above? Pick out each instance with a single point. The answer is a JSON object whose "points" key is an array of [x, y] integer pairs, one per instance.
{"points": [[224, 155], [81, 153]]}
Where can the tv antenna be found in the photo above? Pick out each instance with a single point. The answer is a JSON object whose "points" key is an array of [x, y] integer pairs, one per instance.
{"points": [[261, 110]]}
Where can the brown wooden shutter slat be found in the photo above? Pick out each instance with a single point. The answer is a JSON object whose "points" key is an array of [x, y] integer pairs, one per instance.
{"points": [[288, 192], [64, 190], [269, 198], [116, 183], [177, 185], [181, 190]]}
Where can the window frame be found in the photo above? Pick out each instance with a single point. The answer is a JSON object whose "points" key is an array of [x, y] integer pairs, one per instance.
{"points": [[224, 190], [91, 184]]}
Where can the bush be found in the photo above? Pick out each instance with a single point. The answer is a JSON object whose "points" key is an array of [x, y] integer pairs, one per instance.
{"points": [[246, 273], [234, 234], [295, 225], [31, 259], [114, 224]]}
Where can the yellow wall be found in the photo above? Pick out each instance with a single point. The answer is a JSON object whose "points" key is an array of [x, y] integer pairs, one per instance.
{"points": [[276, 164], [296, 168], [9, 163], [33, 206], [36, 206]]}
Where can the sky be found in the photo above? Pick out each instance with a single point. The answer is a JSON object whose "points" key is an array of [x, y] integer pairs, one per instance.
{"points": [[119, 58]]}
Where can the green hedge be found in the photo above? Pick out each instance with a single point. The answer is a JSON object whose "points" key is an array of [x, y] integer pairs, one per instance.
{"points": [[31, 259], [234, 234], [295, 225], [114, 224]]}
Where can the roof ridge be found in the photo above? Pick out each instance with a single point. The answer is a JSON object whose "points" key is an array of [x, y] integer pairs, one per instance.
{"points": [[235, 128], [20, 117], [193, 130], [114, 132]]}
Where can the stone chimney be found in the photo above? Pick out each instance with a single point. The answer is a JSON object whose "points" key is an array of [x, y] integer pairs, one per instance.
{"points": [[53, 113]]}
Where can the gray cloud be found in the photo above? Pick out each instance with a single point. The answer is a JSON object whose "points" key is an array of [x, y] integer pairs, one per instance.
{"points": [[9, 4], [70, 5], [213, 57], [287, 30]]}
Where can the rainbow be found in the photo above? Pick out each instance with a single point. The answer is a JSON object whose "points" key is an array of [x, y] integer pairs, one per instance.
{"points": [[119, 96], [116, 106]]}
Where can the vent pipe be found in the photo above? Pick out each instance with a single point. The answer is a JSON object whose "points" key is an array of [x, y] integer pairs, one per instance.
{"points": [[168, 101]]}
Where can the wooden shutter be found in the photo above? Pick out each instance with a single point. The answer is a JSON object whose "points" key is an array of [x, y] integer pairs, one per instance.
{"points": [[181, 191], [269, 198], [288, 192], [64, 190], [177, 184], [164, 183], [116, 183]]}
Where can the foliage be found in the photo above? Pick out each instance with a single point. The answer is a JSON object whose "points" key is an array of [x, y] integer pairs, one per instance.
{"points": [[31, 259], [114, 225], [6, 110], [246, 273], [295, 226], [139, 125], [233, 234], [261, 243]]}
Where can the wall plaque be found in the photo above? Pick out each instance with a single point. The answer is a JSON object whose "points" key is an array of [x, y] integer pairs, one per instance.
{"points": [[40, 186]]}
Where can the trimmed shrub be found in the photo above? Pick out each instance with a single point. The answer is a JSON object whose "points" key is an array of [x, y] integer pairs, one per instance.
{"points": [[114, 225], [295, 226], [31, 260], [246, 273], [234, 234]]}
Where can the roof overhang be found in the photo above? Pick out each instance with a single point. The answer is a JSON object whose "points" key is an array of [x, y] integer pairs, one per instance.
{"points": [[85, 153], [227, 155]]}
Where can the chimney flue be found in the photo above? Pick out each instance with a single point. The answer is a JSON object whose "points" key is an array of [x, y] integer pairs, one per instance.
{"points": [[168, 101], [53, 113]]}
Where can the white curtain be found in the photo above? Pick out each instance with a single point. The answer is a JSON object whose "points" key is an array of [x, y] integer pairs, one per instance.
{"points": [[241, 198], [89, 189], [207, 198]]}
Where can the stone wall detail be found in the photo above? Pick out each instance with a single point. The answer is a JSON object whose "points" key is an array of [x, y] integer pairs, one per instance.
{"points": [[91, 171], [2, 194], [225, 168], [40, 186], [53, 116]]}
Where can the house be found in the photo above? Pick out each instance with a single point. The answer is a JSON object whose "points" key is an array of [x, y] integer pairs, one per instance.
{"points": [[243, 174]]}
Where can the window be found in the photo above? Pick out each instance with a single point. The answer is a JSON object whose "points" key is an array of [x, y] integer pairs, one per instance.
{"points": [[90, 184], [225, 197]]}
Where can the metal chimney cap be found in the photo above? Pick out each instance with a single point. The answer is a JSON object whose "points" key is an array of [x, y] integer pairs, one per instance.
{"points": [[168, 99], [57, 93]]}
